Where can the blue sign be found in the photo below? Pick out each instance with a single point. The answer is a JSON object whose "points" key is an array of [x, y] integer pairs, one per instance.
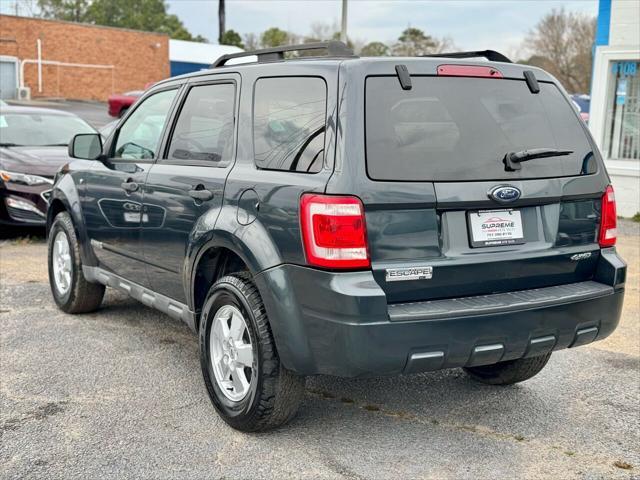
{"points": [[625, 69]]}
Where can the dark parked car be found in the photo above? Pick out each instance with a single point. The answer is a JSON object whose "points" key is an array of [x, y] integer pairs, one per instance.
{"points": [[345, 216], [33, 146]]}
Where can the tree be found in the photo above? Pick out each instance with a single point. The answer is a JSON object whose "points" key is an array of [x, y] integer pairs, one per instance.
{"points": [[374, 49], [231, 37], [70, 10], [274, 37], [146, 15], [561, 43], [251, 41], [413, 42]]}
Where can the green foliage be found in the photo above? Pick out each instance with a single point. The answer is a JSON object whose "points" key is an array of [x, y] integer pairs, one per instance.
{"points": [[636, 217], [231, 37], [374, 49], [70, 10], [146, 15], [274, 37]]}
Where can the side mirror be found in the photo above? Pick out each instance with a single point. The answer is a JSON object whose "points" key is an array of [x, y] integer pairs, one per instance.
{"points": [[87, 146]]}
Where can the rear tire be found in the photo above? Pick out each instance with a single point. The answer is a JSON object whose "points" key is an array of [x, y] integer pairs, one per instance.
{"points": [[251, 393], [508, 372], [71, 291]]}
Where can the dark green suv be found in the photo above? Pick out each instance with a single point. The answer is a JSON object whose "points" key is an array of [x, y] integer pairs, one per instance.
{"points": [[347, 216]]}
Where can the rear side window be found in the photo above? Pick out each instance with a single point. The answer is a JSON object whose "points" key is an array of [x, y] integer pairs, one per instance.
{"points": [[204, 129], [457, 129], [289, 123]]}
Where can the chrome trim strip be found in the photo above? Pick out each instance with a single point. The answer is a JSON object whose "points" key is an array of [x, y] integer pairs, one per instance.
{"points": [[147, 297]]}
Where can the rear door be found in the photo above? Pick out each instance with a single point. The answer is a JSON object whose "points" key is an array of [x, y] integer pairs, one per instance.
{"points": [[445, 217], [185, 187]]}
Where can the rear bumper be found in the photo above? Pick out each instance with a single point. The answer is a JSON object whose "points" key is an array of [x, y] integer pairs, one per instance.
{"points": [[340, 323]]}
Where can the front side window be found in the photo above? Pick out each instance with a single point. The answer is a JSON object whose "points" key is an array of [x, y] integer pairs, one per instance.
{"points": [[289, 116], [204, 130], [139, 137]]}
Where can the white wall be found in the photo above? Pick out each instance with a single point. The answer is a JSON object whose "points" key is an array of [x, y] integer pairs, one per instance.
{"points": [[196, 52], [625, 23]]}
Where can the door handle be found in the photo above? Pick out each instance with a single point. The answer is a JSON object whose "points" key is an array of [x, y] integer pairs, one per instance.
{"points": [[129, 186], [201, 194]]}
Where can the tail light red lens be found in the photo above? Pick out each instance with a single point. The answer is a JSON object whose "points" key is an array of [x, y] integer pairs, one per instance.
{"points": [[334, 233], [608, 232]]}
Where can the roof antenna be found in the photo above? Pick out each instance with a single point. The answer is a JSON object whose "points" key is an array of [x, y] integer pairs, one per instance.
{"points": [[403, 76], [532, 82]]}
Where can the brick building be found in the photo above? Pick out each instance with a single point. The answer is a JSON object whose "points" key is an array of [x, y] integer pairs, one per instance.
{"points": [[77, 61]]}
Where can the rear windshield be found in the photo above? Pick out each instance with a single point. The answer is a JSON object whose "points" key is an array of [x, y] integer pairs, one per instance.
{"points": [[456, 129]]}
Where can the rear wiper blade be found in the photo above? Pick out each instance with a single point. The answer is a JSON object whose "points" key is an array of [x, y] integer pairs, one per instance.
{"points": [[10, 145], [512, 160]]}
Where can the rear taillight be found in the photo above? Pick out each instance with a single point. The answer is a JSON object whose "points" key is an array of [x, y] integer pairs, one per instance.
{"points": [[334, 232], [608, 231]]}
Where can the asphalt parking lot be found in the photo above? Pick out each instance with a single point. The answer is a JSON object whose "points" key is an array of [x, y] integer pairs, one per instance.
{"points": [[118, 393]]}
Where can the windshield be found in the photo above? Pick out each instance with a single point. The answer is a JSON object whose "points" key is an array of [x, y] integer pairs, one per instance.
{"points": [[461, 128], [36, 129]]}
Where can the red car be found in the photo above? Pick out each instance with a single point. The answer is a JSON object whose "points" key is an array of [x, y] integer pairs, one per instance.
{"points": [[118, 104]]}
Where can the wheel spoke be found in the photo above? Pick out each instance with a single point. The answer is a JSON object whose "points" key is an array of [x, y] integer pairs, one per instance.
{"points": [[223, 328], [237, 327], [239, 380], [224, 369], [245, 355]]}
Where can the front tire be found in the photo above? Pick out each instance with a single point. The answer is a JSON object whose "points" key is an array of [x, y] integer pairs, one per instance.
{"points": [[71, 291], [508, 372], [245, 380]]}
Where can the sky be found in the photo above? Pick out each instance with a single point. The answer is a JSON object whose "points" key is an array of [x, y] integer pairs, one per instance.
{"points": [[472, 24]]}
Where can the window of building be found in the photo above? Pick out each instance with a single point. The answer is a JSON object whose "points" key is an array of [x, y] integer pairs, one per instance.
{"points": [[204, 129], [622, 124], [289, 123]]}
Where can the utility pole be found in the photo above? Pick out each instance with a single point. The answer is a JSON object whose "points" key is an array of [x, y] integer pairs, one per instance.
{"points": [[221, 28], [343, 30]]}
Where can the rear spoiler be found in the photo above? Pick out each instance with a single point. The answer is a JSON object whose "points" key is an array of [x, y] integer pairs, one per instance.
{"points": [[490, 55]]}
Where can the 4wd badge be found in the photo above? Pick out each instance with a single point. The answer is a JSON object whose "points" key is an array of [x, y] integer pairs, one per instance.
{"points": [[411, 273]]}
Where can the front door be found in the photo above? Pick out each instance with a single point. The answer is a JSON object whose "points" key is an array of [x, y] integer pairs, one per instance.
{"points": [[188, 182], [113, 202]]}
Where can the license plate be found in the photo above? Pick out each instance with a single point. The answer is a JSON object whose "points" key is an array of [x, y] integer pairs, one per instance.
{"points": [[135, 217], [491, 228]]}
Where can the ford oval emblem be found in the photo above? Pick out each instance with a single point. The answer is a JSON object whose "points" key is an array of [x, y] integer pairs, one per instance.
{"points": [[505, 193]]}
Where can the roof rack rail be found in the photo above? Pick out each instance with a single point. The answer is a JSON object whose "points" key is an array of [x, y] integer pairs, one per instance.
{"points": [[490, 55], [275, 54]]}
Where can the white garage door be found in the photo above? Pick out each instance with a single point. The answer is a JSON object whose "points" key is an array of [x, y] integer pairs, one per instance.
{"points": [[8, 78]]}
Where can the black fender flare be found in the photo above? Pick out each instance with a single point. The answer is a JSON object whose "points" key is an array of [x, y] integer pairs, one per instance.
{"points": [[252, 243], [65, 192]]}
